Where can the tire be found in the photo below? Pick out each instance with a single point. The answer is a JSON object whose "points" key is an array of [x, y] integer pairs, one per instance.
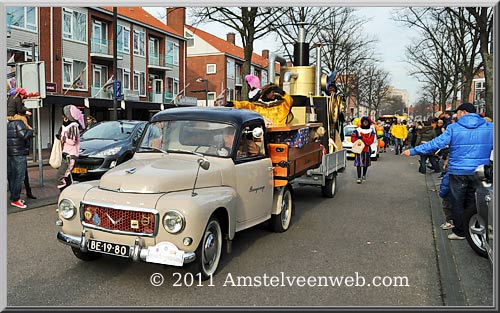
{"points": [[475, 232], [328, 190], [209, 251], [281, 222], [86, 256]]}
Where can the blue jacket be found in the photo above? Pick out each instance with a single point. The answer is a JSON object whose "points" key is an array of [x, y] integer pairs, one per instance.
{"points": [[470, 140], [444, 188]]}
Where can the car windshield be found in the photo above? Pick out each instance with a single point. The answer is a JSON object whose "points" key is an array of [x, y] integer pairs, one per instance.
{"points": [[188, 136], [114, 130], [348, 131]]}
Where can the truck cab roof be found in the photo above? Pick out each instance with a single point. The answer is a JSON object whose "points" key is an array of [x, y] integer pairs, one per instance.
{"points": [[214, 114]]}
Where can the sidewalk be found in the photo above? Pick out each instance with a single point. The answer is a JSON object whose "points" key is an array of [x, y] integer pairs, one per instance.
{"points": [[46, 194]]}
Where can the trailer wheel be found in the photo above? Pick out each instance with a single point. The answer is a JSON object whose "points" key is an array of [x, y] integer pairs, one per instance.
{"points": [[281, 222], [328, 190]]}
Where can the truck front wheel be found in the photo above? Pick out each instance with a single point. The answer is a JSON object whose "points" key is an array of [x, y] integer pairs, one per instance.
{"points": [[281, 222], [209, 251]]}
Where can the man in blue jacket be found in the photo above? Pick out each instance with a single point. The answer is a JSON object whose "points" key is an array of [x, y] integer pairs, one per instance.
{"points": [[471, 141]]}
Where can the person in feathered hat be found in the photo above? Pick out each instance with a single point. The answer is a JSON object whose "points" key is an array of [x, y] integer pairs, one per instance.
{"points": [[15, 107], [331, 86], [254, 87], [69, 134], [367, 134]]}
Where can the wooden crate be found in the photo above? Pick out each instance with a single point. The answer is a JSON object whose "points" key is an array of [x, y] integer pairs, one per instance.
{"points": [[291, 162]]}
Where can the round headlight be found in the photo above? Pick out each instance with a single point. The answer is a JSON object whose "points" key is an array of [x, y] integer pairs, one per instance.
{"points": [[67, 208], [173, 222]]}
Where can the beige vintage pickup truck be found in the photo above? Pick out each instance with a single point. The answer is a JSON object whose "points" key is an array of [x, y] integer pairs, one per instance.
{"points": [[198, 176]]}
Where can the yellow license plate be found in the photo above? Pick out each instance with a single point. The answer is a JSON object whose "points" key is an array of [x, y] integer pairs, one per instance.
{"points": [[351, 155], [79, 170]]}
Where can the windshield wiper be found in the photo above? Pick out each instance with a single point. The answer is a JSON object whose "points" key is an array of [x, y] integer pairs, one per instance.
{"points": [[155, 149], [186, 151]]}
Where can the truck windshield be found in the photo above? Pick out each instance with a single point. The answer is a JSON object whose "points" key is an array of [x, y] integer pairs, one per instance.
{"points": [[208, 138]]}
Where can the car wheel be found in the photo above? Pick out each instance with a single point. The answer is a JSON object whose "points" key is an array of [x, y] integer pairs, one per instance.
{"points": [[209, 251], [475, 232], [86, 256], [281, 222], [328, 190]]}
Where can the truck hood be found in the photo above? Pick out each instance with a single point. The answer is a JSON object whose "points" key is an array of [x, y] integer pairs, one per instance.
{"points": [[173, 172]]}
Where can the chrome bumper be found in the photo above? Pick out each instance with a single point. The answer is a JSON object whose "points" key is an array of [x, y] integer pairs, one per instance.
{"points": [[137, 252]]}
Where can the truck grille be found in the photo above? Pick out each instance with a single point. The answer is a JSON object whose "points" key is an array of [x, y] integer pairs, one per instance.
{"points": [[123, 221]]}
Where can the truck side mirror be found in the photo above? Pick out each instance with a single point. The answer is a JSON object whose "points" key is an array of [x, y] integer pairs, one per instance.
{"points": [[257, 132], [204, 164]]}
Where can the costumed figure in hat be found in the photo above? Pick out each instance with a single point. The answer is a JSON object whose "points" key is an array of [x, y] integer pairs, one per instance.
{"points": [[274, 104], [335, 110], [15, 107], [367, 134], [69, 134]]}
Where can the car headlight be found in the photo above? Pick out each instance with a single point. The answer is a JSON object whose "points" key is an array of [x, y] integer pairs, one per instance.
{"points": [[67, 208], [173, 222], [107, 152]]}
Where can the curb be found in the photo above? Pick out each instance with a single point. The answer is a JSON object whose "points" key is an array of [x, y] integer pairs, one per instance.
{"points": [[452, 291]]}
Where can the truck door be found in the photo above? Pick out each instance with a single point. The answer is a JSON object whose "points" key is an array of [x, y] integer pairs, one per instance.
{"points": [[254, 178]]}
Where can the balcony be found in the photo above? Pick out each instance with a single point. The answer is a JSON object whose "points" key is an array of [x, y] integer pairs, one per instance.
{"points": [[103, 49], [159, 61], [103, 94]]}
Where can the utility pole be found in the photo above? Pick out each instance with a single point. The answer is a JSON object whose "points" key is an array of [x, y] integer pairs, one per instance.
{"points": [[115, 60]]}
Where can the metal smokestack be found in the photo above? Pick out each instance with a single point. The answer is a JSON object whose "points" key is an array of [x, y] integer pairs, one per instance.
{"points": [[301, 49]]}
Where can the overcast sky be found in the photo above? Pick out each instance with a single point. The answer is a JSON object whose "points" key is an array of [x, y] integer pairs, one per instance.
{"points": [[392, 39]]}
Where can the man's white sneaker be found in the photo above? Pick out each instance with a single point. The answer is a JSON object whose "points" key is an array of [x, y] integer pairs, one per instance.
{"points": [[454, 236]]}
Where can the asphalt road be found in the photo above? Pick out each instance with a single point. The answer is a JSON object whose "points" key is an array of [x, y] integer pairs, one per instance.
{"points": [[381, 228]]}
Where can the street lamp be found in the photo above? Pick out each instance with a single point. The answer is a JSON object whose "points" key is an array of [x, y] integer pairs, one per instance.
{"points": [[200, 80]]}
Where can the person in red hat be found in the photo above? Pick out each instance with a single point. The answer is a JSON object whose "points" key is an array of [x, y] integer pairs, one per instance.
{"points": [[367, 134], [16, 111]]}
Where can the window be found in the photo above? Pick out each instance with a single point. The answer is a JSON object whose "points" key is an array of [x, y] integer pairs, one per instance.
{"points": [[140, 83], [99, 37], [264, 78], [172, 53], [230, 69], [190, 39], [74, 25], [74, 74], [123, 39], [124, 76], [211, 96], [99, 75], [230, 94], [139, 43], [211, 68], [479, 90], [23, 17], [238, 74]]}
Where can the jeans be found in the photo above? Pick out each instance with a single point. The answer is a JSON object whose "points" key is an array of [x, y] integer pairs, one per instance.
{"points": [[462, 195], [16, 169], [399, 145], [432, 158]]}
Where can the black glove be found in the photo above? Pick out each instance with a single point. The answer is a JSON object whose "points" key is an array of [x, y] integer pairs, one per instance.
{"points": [[229, 104], [58, 136]]}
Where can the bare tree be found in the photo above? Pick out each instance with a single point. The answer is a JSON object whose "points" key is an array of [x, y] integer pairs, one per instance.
{"points": [[250, 23], [483, 23], [453, 40], [312, 19]]}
